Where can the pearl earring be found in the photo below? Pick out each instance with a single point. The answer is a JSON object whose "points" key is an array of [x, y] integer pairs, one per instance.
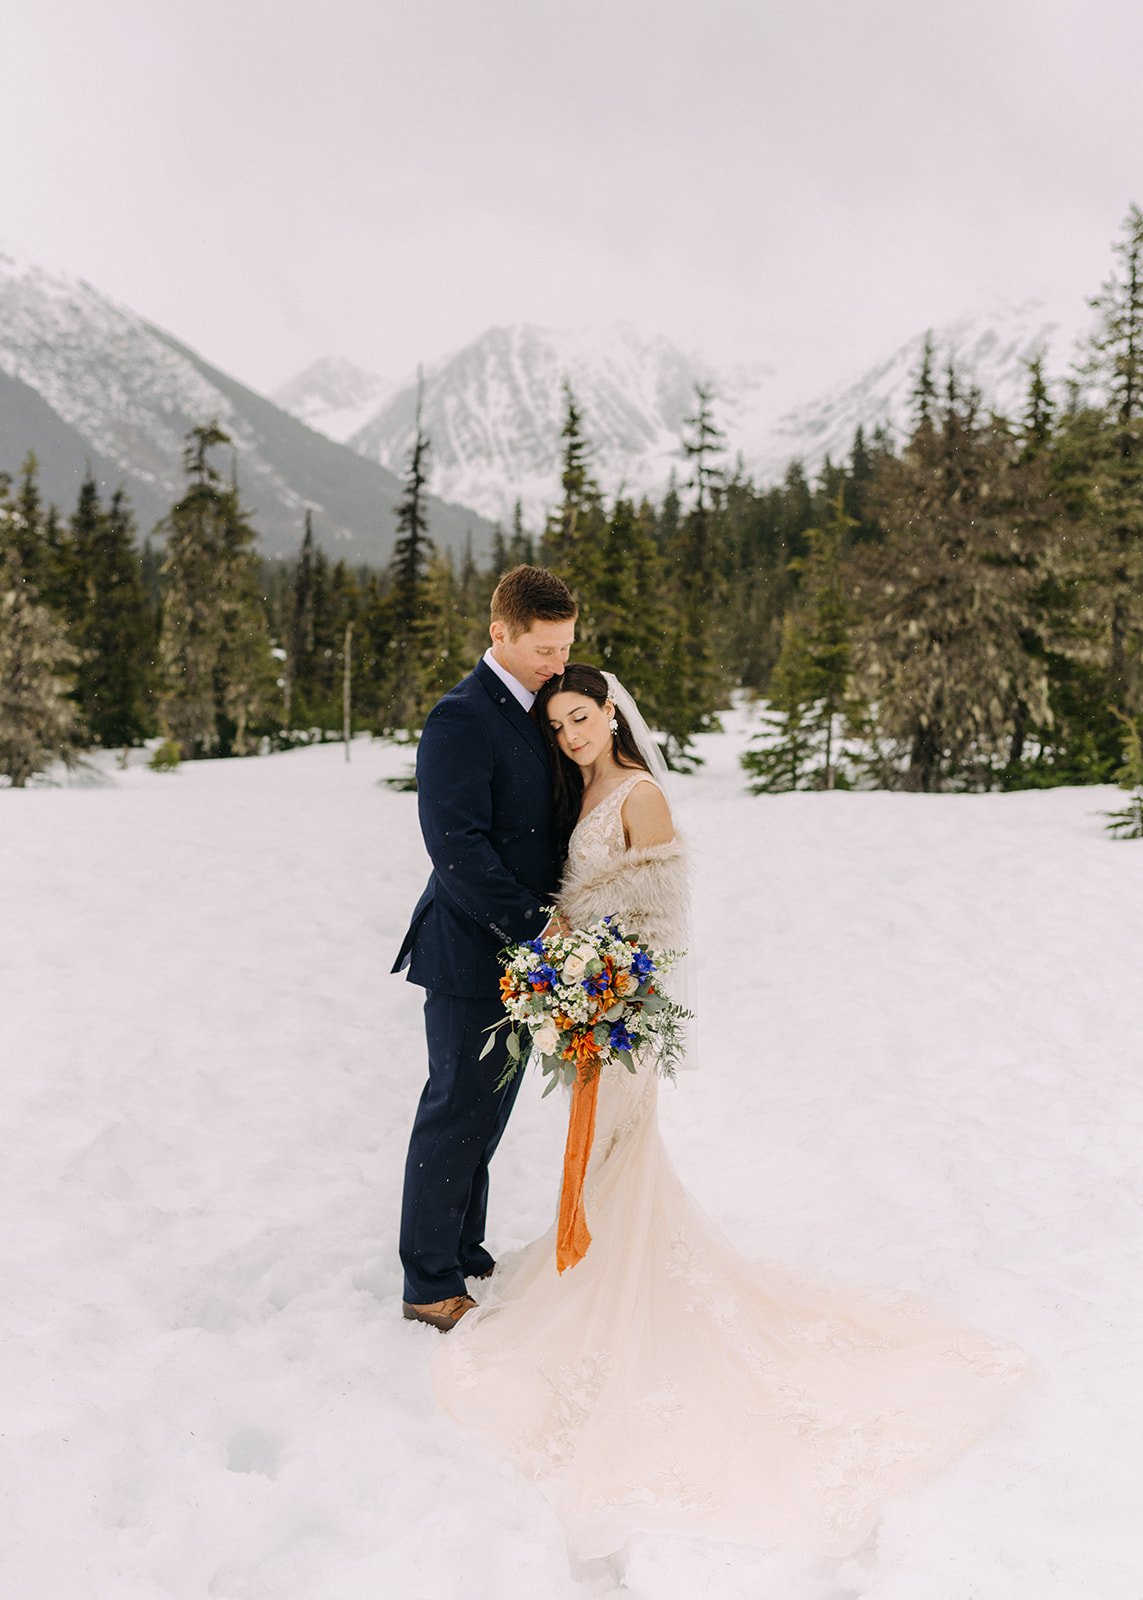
{"points": [[614, 724]]}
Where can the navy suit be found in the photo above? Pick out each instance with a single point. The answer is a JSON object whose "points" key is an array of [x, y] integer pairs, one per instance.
{"points": [[485, 804]]}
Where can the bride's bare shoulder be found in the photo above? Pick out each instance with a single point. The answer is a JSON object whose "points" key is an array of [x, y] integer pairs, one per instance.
{"points": [[646, 816]]}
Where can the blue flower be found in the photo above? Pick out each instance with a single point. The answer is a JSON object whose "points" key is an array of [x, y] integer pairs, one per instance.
{"points": [[642, 965], [535, 944], [543, 976], [598, 983], [620, 1038]]}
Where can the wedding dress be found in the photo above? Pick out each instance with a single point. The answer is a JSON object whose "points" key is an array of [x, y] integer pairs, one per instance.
{"points": [[664, 1382]]}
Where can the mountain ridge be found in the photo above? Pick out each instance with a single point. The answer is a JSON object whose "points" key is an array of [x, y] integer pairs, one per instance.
{"points": [[84, 379], [493, 409]]}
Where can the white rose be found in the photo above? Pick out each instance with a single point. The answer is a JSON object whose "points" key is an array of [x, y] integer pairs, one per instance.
{"points": [[547, 1038], [585, 952], [574, 968]]}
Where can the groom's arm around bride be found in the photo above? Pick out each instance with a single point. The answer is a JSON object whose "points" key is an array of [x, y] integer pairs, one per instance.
{"points": [[485, 807]]}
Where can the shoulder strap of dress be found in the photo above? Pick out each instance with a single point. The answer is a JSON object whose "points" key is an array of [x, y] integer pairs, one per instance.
{"points": [[633, 782]]}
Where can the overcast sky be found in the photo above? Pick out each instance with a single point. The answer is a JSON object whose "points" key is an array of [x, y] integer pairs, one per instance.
{"points": [[802, 182]]}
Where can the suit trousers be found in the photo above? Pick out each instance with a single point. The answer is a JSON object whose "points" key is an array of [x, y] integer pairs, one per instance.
{"points": [[460, 1118]]}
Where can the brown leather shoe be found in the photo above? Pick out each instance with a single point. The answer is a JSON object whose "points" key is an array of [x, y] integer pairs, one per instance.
{"points": [[442, 1314]]}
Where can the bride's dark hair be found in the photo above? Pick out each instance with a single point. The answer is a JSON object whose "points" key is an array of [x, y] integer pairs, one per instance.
{"points": [[567, 780]]}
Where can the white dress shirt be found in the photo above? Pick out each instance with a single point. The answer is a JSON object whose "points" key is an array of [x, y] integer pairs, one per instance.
{"points": [[524, 696]]}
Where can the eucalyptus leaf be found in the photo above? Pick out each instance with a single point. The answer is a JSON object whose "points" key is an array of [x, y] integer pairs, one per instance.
{"points": [[491, 1041], [625, 1057], [551, 1086], [514, 1046]]}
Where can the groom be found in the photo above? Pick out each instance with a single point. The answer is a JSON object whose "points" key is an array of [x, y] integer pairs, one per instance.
{"points": [[485, 803]]}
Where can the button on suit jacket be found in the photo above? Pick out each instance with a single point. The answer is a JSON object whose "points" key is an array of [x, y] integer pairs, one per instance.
{"points": [[485, 804]]}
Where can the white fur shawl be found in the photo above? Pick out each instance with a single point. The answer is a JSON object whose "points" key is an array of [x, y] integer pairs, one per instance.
{"points": [[646, 889]]}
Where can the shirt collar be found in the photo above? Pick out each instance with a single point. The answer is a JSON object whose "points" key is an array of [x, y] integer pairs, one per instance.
{"points": [[524, 696]]}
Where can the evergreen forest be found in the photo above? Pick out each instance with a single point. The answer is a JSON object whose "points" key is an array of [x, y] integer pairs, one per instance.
{"points": [[961, 608]]}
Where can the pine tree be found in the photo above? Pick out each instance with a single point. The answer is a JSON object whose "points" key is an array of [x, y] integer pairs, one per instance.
{"points": [[571, 541], [501, 560], [112, 629], [809, 689], [411, 647], [1058, 558], [829, 622], [695, 639], [61, 580], [924, 394], [25, 528], [374, 640], [215, 649], [521, 546], [299, 638], [1038, 412], [1127, 823], [468, 582], [444, 627], [629, 633], [943, 651], [246, 674], [192, 584], [788, 747], [1115, 491], [857, 487], [38, 721], [578, 490], [702, 448]]}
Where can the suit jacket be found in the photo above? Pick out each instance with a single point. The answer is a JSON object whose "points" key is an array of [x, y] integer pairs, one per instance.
{"points": [[485, 802]]}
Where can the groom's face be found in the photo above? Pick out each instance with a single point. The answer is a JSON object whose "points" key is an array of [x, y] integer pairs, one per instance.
{"points": [[537, 655]]}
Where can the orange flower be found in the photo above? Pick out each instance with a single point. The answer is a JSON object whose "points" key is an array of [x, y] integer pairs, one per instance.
{"points": [[507, 986], [583, 1050], [603, 1003], [621, 982]]}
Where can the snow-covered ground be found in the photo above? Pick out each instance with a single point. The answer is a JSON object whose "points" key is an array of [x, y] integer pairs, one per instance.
{"points": [[923, 1057]]}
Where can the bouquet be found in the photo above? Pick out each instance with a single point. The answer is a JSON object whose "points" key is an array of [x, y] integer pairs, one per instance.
{"points": [[581, 1001], [586, 999]]}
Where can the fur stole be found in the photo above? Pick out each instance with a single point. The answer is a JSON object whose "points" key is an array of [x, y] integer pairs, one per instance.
{"points": [[646, 889]]}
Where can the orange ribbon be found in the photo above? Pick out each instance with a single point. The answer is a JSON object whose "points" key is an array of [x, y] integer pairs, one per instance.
{"points": [[572, 1235]]}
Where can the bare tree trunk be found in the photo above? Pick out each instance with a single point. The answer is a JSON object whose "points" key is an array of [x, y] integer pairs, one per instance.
{"points": [[347, 689]]}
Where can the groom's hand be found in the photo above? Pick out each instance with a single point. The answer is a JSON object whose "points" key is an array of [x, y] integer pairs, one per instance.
{"points": [[559, 924]]}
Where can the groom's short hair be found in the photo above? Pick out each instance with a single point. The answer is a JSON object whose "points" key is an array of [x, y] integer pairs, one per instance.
{"points": [[531, 594]]}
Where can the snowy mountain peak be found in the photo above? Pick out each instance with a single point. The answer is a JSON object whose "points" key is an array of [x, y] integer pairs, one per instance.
{"points": [[493, 411], [991, 349], [84, 380], [333, 395]]}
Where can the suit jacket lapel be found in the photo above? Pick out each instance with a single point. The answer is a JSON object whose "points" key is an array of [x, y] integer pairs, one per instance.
{"points": [[508, 706]]}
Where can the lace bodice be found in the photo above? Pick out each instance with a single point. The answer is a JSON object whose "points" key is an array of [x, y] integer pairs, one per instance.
{"points": [[598, 837]]}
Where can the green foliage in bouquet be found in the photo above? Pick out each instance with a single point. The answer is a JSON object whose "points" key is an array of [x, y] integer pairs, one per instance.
{"points": [[582, 1000]]}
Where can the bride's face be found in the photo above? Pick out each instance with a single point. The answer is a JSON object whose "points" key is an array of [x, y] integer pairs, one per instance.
{"points": [[582, 727]]}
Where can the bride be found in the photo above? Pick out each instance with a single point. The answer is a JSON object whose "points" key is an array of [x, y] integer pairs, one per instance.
{"points": [[663, 1383]]}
